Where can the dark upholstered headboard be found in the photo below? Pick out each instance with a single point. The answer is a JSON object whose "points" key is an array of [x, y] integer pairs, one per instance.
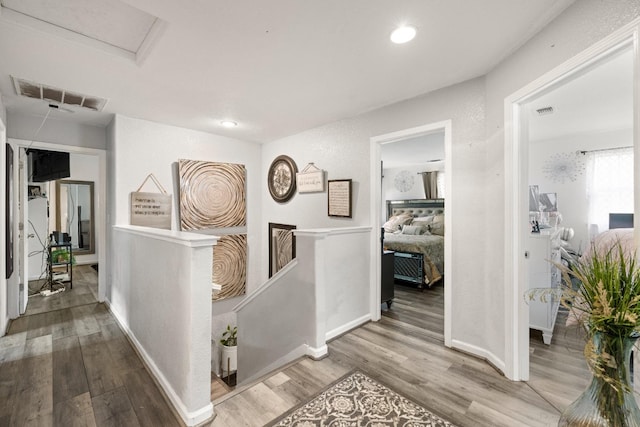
{"points": [[415, 208]]}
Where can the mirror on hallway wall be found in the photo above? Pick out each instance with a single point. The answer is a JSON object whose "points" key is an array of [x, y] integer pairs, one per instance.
{"points": [[75, 214]]}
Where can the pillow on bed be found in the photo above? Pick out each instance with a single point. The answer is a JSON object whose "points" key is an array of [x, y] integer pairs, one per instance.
{"points": [[422, 220], [437, 226], [396, 222], [414, 229]]}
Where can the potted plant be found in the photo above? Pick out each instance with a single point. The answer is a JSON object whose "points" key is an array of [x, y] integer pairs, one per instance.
{"points": [[229, 353], [606, 304]]}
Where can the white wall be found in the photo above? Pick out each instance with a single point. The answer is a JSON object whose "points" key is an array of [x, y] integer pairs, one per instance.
{"points": [[138, 147], [346, 288], [343, 149], [161, 297], [55, 130], [572, 196], [389, 190], [582, 24]]}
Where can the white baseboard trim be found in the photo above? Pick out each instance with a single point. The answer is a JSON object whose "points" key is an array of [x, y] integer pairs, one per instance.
{"points": [[347, 327], [190, 418], [317, 353], [479, 352]]}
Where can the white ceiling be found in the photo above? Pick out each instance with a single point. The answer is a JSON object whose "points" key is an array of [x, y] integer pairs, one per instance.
{"points": [[596, 99], [414, 151], [276, 67]]}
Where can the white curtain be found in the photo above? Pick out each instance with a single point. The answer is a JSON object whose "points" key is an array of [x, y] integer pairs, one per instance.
{"points": [[609, 184]]}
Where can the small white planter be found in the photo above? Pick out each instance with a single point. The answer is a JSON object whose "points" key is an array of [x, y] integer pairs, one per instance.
{"points": [[229, 359]]}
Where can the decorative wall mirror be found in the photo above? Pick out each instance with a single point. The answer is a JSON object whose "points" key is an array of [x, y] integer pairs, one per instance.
{"points": [[75, 214]]}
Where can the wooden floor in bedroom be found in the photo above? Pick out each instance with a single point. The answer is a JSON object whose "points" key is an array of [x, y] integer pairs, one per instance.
{"points": [[405, 350]]}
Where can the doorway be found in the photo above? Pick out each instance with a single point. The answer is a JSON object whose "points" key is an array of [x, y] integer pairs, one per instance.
{"points": [[377, 217], [35, 248], [519, 108]]}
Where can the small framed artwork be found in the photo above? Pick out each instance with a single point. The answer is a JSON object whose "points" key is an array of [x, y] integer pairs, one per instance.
{"points": [[35, 191], [310, 179], [549, 202], [282, 246], [339, 198]]}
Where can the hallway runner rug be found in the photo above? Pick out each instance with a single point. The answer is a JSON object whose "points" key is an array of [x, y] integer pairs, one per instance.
{"points": [[357, 400]]}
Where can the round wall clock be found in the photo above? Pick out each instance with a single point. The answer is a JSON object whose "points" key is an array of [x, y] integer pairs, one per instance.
{"points": [[281, 179], [403, 181]]}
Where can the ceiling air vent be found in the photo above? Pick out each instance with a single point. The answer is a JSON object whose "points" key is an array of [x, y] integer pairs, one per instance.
{"points": [[49, 93], [545, 111]]}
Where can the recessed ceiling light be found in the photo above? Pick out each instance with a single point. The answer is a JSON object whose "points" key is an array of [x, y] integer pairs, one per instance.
{"points": [[403, 34], [229, 123]]}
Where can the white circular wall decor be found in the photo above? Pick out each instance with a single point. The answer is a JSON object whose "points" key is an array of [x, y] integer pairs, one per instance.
{"points": [[403, 181], [562, 166]]}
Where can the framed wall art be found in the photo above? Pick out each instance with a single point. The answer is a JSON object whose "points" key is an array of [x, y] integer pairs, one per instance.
{"points": [[34, 191], [339, 198], [282, 246], [230, 266], [310, 179], [212, 195]]}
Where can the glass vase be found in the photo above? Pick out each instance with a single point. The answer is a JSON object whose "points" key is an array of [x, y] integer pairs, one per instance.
{"points": [[609, 400]]}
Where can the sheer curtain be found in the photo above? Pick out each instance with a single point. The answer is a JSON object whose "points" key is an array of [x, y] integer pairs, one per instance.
{"points": [[609, 184]]}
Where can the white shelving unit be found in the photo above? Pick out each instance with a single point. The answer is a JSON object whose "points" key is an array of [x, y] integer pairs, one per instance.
{"points": [[543, 252]]}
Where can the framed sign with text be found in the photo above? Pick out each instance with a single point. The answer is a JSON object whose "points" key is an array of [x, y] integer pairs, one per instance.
{"points": [[339, 198]]}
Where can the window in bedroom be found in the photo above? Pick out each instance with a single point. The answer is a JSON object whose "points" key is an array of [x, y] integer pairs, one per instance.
{"points": [[609, 184]]}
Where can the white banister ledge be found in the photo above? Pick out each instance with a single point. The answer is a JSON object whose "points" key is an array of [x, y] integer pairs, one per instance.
{"points": [[192, 240], [321, 232]]}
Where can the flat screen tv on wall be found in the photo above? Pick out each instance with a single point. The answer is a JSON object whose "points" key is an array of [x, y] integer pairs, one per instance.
{"points": [[620, 220], [49, 165]]}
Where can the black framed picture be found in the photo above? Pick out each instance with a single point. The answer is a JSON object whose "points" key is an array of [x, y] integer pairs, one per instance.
{"points": [[339, 198], [282, 246], [35, 191]]}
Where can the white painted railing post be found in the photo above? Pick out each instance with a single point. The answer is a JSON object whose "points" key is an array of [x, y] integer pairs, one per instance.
{"points": [[311, 249]]}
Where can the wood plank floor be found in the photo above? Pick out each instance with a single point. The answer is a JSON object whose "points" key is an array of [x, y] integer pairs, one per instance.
{"points": [[67, 363], [405, 350]]}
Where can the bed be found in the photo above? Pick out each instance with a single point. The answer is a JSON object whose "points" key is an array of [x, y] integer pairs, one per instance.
{"points": [[601, 245], [414, 230]]}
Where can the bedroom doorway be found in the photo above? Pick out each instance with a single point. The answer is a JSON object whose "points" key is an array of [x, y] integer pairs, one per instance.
{"points": [[529, 161], [379, 217]]}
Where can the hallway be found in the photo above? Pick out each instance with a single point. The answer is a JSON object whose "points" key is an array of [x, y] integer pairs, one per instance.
{"points": [[73, 366]]}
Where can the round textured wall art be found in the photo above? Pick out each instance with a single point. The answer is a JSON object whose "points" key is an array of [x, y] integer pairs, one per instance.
{"points": [[212, 195], [230, 266], [564, 166], [404, 181]]}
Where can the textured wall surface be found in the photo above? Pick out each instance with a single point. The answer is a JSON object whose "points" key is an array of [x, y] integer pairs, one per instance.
{"points": [[343, 150], [56, 131], [477, 113]]}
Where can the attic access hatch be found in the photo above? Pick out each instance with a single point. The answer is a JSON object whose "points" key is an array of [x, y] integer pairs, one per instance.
{"points": [[112, 26], [61, 96]]}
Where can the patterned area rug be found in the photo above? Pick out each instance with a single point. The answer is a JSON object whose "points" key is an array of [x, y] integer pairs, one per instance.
{"points": [[357, 400]]}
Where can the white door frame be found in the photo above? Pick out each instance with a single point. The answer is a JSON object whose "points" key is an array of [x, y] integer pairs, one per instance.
{"points": [[376, 205], [4, 303], [100, 201], [516, 191]]}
